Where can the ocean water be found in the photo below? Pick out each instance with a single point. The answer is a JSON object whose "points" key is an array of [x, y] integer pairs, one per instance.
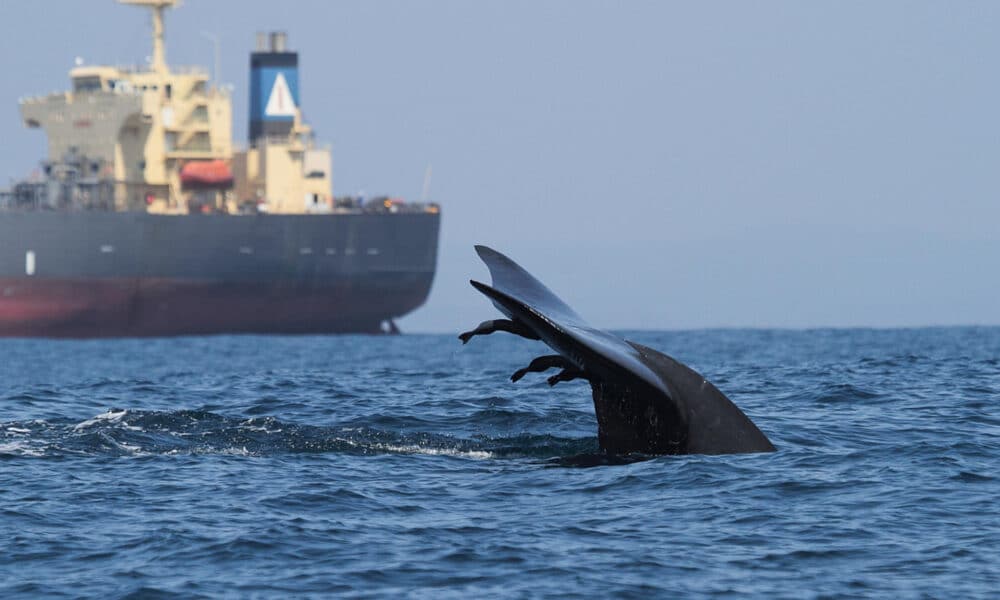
{"points": [[412, 466]]}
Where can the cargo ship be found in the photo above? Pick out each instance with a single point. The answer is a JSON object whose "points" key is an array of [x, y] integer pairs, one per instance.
{"points": [[147, 220]]}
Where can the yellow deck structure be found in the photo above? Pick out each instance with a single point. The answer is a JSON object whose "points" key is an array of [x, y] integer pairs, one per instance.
{"points": [[137, 127]]}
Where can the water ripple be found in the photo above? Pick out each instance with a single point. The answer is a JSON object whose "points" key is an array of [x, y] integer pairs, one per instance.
{"points": [[386, 466]]}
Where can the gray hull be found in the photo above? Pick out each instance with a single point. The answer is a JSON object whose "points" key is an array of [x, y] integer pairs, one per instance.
{"points": [[86, 274]]}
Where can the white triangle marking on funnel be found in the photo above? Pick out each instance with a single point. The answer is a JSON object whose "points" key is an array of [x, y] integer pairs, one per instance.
{"points": [[280, 102]]}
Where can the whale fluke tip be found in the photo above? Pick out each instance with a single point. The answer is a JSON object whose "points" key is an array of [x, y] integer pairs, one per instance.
{"points": [[482, 287]]}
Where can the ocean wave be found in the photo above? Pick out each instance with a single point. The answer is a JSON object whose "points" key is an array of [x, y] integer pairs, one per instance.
{"points": [[143, 433]]}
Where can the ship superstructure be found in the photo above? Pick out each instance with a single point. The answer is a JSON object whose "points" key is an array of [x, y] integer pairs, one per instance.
{"points": [[282, 170], [135, 128], [148, 220], [159, 139]]}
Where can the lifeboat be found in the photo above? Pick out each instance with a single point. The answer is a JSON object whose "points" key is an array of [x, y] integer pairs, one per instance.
{"points": [[206, 175]]}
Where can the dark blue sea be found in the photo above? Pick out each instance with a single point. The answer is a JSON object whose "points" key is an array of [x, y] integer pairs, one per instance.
{"points": [[412, 466]]}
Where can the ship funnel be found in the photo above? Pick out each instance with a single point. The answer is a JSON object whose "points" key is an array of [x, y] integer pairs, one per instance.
{"points": [[274, 87], [278, 41]]}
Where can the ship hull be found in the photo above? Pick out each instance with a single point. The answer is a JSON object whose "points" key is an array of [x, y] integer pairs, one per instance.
{"points": [[134, 274]]}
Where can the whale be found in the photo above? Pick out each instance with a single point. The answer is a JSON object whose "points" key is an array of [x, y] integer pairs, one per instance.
{"points": [[645, 401]]}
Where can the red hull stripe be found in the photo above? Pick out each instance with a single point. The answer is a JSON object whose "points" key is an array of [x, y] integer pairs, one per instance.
{"points": [[157, 307]]}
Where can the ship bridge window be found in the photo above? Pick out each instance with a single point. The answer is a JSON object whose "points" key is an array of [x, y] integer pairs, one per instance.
{"points": [[87, 84], [199, 115], [122, 86]]}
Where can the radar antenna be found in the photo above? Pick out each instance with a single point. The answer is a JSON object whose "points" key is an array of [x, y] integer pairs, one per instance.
{"points": [[425, 192], [159, 64]]}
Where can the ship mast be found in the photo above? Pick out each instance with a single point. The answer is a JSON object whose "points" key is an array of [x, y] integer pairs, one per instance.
{"points": [[159, 64]]}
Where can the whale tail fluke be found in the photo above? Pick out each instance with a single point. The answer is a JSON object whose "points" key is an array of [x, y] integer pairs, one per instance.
{"points": [[645, 401]]}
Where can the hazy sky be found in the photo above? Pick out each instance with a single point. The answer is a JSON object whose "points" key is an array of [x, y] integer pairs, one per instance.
{"points": [[658, 164]]}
